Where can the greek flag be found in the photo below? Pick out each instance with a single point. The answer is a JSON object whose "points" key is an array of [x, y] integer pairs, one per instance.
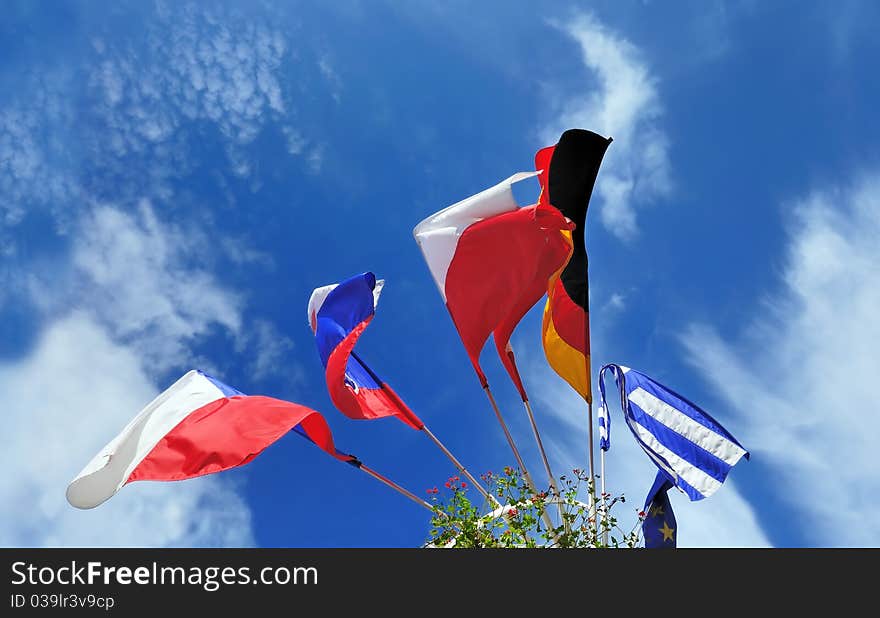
{"points": [[689, 446]]}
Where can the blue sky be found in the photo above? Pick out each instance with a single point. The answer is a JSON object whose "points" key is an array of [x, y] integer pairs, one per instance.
{"points": [[176, 179]]}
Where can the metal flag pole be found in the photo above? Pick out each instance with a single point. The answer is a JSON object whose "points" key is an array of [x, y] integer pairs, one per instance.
{"points": [[592, 468], [589, 398], [535, 432], [522, 466], [546, 461], [604, 501], [519, 460], [395, 486], [416, 421], [460, 467], [427, 431], [540, 444]]}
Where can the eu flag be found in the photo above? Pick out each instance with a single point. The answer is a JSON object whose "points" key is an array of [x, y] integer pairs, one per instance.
{"points": [[659, 527]]}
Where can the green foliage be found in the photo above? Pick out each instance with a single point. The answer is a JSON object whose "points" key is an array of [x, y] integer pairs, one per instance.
{"points": [[556, 517]]}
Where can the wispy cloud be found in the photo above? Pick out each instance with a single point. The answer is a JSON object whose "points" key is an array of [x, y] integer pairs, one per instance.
{"points": [[35, 160], [64, 401], [129, 116], [197, 65], [624, 104], [268, 348], [804, 371], [148, 282], [617, 302]]}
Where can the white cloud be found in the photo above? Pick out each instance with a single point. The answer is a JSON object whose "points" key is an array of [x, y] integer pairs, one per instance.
{"points": [[34, 160], [146, 281], [626, 106], [330, 75], [269, 348], [150, 284], [64, 401], [804, 371], [617, 302], [120, 122], [198, 65]]}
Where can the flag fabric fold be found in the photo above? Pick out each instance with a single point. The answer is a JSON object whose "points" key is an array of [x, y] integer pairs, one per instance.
{"points": [[693, 450], [338, 315], [491, 260], [604, 428], [197, 426], [567, 173]]}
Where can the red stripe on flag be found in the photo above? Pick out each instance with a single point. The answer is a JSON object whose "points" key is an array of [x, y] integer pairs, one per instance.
{"points": [[569, 319], [367, 403], [227, 433]]}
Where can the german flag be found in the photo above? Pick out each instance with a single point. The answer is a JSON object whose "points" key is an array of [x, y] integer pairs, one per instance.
{"points": [[568, 172]]}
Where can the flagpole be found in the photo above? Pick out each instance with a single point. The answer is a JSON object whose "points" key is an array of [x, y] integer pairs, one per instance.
{"points": [[414, 419], [395, 487], [592, 468], [519, 460], [522, 466], [539, 442], [546, 461], [460, 467], [604, 502], [534, 425]]}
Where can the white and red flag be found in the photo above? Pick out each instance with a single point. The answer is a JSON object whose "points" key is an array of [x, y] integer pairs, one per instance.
{"points": [[491, 260]]}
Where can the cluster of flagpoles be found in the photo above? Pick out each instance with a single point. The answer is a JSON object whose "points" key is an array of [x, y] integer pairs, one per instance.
{"points": [[492, 261], [521, 253]]}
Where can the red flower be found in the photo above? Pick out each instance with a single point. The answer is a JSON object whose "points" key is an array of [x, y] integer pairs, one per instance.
{"points": [[448, 485], [463, 485], [454, 478], [513, 512]]}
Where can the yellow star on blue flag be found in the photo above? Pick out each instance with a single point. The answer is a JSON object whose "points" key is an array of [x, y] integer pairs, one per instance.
{"points": [[659, 528]]}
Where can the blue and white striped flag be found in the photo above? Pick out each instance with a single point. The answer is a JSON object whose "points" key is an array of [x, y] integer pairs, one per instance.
{"points": [[603, 412], [604, 426], [691, 447]]}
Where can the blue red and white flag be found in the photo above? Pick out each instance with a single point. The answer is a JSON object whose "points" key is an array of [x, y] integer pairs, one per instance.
{"points": [[338, 315], [197, 426]]}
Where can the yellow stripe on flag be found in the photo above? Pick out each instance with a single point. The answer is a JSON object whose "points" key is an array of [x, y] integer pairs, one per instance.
{"points": [[568, 362]]}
